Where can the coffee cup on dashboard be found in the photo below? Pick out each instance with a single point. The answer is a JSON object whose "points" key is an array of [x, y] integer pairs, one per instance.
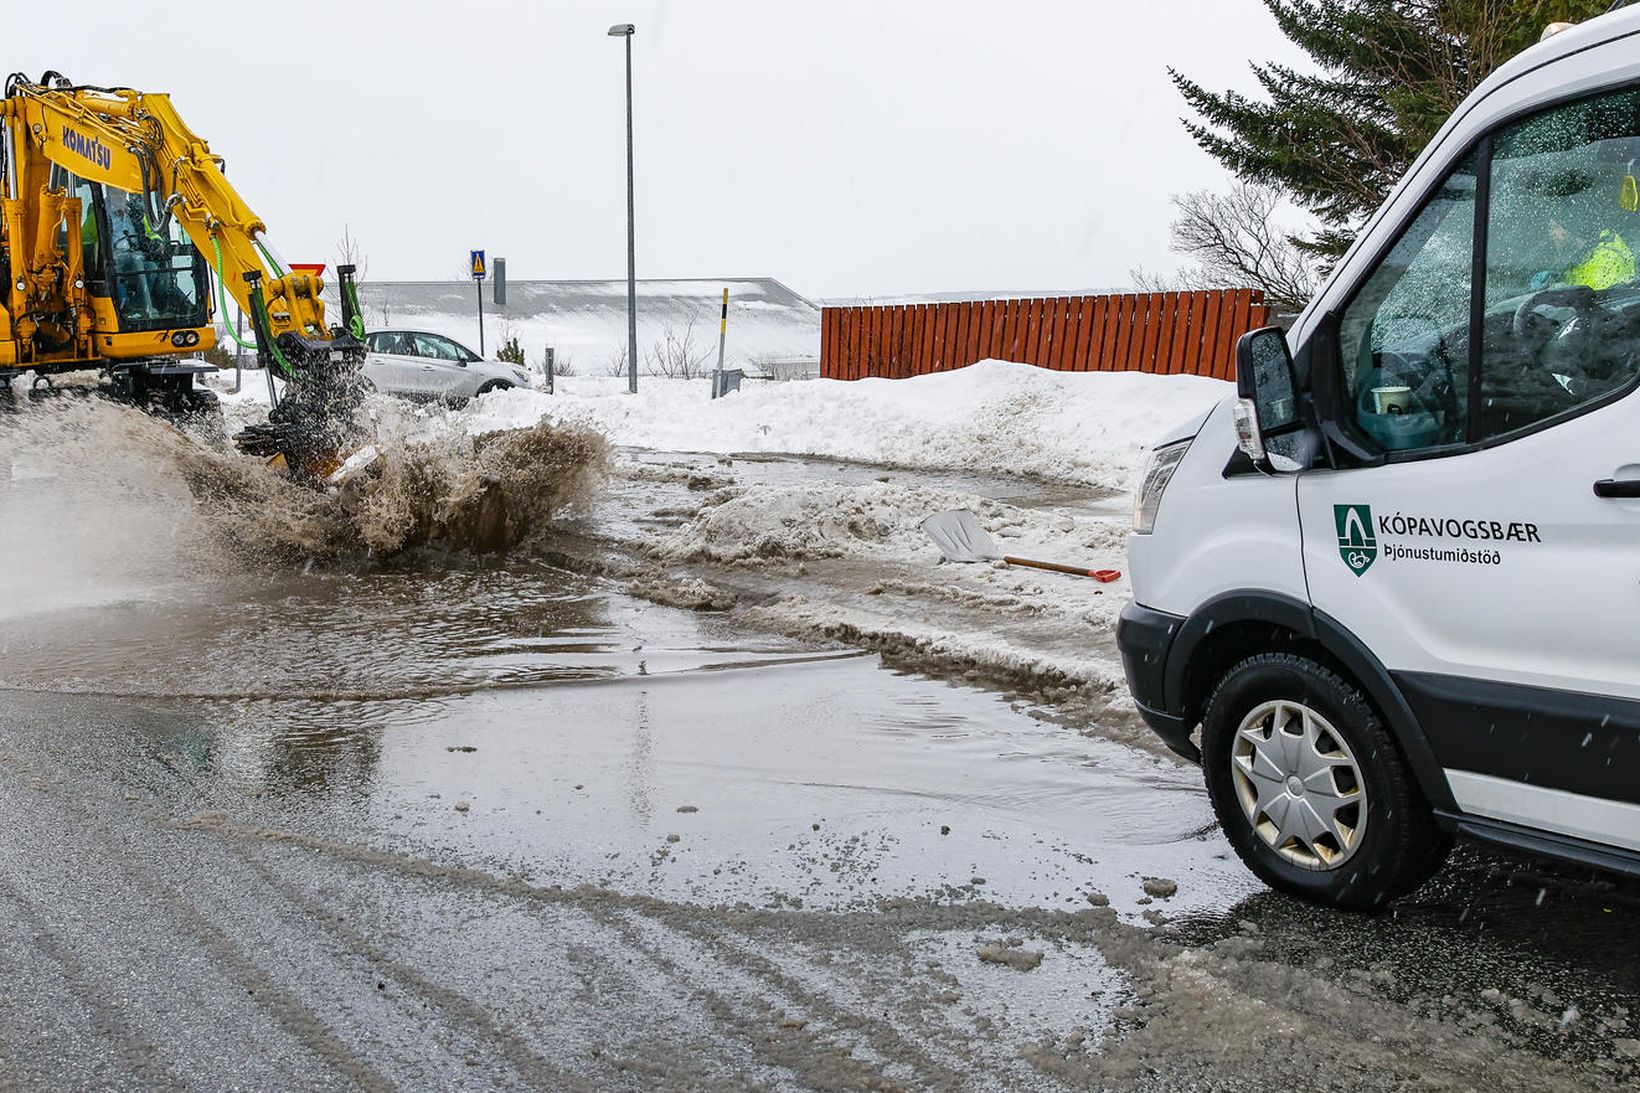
{"points": [[1391, 400]]}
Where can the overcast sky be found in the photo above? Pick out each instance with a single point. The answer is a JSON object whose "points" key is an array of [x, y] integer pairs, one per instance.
{"points": [[846, 147]]}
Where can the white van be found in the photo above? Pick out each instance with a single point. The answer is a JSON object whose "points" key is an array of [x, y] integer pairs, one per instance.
{"points": [[1391, 594]]}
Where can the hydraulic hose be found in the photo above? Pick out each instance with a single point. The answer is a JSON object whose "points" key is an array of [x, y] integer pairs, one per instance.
{"points": [[222, 296], [272, 262], [355, 324], [156, 215]]}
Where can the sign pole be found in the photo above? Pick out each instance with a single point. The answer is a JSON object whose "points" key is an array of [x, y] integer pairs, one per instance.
{"points": [[631, 242], [723, 335], [475, 259]]}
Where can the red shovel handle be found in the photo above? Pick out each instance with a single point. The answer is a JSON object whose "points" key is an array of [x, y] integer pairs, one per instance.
{"points": [[1103, 576]]}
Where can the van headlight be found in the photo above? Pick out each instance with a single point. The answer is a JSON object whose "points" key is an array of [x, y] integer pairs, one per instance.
{"points": [[1158, 473]]}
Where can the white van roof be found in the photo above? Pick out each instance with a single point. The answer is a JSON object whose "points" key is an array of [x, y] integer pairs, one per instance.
{"points": [[1579, 36]]}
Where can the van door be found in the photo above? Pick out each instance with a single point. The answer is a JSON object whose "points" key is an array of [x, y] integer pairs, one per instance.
{"points": [[1480, 562]]}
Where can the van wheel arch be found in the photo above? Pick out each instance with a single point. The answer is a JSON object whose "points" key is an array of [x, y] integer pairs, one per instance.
{"points": [[1226, 630], [1230, 643]]}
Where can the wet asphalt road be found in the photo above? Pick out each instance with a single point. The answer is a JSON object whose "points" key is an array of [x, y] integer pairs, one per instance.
{"points": [[482, 849], [510, 829]]}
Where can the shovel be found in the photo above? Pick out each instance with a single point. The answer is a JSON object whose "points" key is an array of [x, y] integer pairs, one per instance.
{"points": [[960, 538]]}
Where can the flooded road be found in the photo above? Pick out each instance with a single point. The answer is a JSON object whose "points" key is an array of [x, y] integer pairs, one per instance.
{"points": [[501, 826], [573, 722]]}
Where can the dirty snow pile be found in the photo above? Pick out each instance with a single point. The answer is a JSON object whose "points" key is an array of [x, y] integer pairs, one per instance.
{"points": [[809, 522], [878, 520], [850, 562], [1090, 427]]}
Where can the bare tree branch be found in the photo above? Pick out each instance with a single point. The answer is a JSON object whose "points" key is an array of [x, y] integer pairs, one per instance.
{"points": [[676, 354], [352, 254], [1235, 242]]}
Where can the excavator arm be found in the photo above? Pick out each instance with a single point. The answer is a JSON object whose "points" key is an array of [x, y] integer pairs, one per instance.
{"points": [[137, 143]]}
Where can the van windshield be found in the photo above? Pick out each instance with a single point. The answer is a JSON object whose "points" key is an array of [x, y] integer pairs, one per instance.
{"points": [[1560, 315]]}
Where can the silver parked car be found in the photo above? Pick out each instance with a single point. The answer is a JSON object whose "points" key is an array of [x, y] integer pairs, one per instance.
{"points": [[417, 365]]}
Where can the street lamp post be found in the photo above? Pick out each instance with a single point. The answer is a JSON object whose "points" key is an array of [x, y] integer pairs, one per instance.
{"points": [[626, 30]]}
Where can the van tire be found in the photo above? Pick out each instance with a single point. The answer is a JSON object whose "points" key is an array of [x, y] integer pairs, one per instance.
{"points": [[1400, 847]]}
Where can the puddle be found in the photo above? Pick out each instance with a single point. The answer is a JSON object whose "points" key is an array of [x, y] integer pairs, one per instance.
{"points": [[583, 720]]}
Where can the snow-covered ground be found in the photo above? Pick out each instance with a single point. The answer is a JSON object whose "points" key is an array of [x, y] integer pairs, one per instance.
{"points": [[1086, 427], [1090, 428]]}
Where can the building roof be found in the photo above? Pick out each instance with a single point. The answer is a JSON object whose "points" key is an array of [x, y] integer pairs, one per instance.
{"points": [[585, 321]]}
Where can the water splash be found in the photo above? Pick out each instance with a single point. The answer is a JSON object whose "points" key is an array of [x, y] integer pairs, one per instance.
{"points": [[100, 502], [444, 489]]}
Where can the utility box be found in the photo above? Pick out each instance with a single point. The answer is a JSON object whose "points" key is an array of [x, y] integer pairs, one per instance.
{"points": [[499, 279], [727, 380]]}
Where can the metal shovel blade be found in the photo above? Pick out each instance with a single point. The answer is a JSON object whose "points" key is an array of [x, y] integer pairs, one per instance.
{"points": [[960, 538]]}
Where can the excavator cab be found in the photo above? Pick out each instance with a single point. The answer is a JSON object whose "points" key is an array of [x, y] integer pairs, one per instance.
{"points": [[141, 278], [127, 297], [153, 278]]}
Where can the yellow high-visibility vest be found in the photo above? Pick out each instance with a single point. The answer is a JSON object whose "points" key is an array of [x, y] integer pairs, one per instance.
{"points": [[1609, 262]]}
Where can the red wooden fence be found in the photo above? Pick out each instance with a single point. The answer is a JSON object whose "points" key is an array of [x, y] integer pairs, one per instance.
{"points": [[1165, 332]]}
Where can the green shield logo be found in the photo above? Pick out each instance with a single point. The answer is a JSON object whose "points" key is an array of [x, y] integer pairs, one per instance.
{"points": [[1357, 544]]}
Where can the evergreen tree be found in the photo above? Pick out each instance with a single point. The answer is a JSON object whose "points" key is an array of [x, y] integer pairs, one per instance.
{"points": [[1388, 73]]}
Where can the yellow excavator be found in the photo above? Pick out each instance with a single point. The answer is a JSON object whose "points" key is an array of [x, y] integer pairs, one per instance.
{"points": [[115, 220]]}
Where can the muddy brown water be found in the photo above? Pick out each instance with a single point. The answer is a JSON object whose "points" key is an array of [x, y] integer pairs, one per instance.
{"points": [[480, 821]]}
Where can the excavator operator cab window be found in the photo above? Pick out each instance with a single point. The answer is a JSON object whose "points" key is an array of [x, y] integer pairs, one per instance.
{"points": [[154, 274], [157, 279]]}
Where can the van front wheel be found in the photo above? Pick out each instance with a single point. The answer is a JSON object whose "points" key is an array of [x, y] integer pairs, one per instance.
{"points": [[1310, 788]]}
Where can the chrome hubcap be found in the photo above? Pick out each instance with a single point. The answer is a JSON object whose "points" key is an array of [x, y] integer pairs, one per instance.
{"points": [[1299, 785]]}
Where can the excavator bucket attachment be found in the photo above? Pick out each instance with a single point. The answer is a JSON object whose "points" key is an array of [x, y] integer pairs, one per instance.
{"points": [[314, 429]]}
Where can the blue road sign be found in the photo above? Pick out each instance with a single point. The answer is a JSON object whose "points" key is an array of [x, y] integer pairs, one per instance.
{"points": [[478, 264]]}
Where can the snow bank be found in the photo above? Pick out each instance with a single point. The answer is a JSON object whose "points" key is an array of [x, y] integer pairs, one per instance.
{"points": [[880, 520], [811, 522], [1089, 427]]}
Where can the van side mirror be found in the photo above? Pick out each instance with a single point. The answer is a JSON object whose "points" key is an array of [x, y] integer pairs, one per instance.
{"points": [[1266, 390]]}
